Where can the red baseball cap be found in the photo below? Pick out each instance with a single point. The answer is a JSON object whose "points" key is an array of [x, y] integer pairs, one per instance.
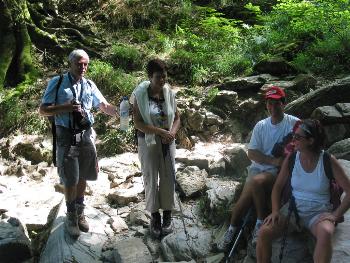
{"points": [[275, 93]]}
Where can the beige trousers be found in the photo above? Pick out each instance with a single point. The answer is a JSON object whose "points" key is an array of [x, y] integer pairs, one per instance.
{"points": [[158, 174]]}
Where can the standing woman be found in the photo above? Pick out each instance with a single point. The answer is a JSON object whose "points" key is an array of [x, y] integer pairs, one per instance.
{"points": [[157, 121], [311, 191]]}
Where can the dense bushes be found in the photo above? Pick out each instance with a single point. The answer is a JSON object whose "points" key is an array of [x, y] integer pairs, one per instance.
{"points": [[19, 111], [113, 82], [200, 44], [314, 35]]}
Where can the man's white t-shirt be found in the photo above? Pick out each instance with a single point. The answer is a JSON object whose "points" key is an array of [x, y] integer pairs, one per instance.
{"points": [[266, 135]]}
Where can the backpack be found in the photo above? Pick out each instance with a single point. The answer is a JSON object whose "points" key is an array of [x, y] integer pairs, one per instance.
{"points": [[53, 125], [286, 146], [335, 189]]}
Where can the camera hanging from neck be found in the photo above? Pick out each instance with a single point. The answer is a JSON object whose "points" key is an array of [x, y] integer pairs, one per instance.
{"points": [[73, 123]]}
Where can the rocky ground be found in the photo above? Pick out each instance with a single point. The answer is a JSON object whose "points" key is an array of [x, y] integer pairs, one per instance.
{"points": [[115, 205], [209, 178]]}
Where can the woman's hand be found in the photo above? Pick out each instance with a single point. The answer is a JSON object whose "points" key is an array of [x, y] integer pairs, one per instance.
{"points": [[166, 136], [272, 219], [327, 216]]}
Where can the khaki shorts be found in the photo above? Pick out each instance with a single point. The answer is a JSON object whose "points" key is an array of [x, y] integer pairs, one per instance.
{"points": [[308, 211], [76, 162], [253, 171]]}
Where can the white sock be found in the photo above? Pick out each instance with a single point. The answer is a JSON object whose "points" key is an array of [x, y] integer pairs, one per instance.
{"points": [[232, 228], [259, 222]]}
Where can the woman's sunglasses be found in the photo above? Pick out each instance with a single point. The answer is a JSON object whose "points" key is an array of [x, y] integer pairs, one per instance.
{"points": [[298, 137]]}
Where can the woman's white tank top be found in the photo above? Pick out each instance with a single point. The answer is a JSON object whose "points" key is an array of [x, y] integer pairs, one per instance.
{"points": [[312, 186]]}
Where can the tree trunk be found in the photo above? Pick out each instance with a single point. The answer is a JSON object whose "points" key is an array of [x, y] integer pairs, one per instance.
{"points": [[8, 41], [28, 23], [15, 50]]}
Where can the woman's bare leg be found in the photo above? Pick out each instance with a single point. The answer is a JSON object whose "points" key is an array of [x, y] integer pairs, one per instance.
{"points": [[323, 231]]}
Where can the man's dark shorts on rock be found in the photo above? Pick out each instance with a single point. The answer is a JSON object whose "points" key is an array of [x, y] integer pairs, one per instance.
{"points": [[78, 162]]}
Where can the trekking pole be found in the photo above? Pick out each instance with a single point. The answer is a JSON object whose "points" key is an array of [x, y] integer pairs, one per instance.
{"points": [[172, 168], [245, 221]]}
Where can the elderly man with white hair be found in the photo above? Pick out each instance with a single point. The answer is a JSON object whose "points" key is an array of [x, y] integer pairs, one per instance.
{"points": [[70, 98]]}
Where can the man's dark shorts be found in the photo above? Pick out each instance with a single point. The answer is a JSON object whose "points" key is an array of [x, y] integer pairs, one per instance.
{"points": [[81, 165]]}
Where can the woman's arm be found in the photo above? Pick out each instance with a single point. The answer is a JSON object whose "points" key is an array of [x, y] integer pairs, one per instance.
{"points": [[282, 178], [342, 179], [176, 124]]}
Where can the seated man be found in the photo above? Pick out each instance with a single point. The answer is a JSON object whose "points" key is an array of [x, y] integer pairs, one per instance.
{"points": [[264, 168]]}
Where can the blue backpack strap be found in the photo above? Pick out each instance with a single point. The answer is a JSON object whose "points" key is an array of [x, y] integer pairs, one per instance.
{"points": [[292, 204], [328, 165], [291, 162], [335, 189], [58, 86], [53, 125]]}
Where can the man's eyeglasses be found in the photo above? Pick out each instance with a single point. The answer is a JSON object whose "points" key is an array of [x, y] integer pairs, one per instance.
{"points": [[298, 137]]}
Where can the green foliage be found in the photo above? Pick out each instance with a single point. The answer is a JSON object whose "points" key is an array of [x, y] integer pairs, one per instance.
{"points": [[140, 14], [199, 47], [112, 82], [115, 141], [310, 33], [211, 95], [19, 111], [328, 55], [126, 57]]}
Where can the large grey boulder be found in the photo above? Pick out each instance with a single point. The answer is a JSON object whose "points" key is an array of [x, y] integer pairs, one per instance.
{"points": [[14, 242], [131, 250], [330, 94], [344, 109], [217, 167], [195, 119], [224, 101], [218, 199], [336, 121], [177, 247], [341, 149], [327, 114], [60, 247], [253, 83], [237, 160], [189, 158], [191, 181]]}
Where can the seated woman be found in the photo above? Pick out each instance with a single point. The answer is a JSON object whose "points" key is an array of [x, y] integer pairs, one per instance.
{"points": [[311, 192], [157, 121]]}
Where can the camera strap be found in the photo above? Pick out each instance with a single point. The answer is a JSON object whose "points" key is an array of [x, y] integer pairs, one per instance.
{"points": [[73, 130], [73, 90]]}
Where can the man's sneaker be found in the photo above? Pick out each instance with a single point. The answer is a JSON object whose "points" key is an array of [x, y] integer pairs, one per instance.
{"points": [[226, 240], [82, 223], [256, 233], [155, 225], [167, 226], [71, 224]]}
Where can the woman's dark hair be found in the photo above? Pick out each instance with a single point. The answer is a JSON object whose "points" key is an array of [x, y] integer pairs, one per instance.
{"points": [[314, 129], [155, 65]]}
